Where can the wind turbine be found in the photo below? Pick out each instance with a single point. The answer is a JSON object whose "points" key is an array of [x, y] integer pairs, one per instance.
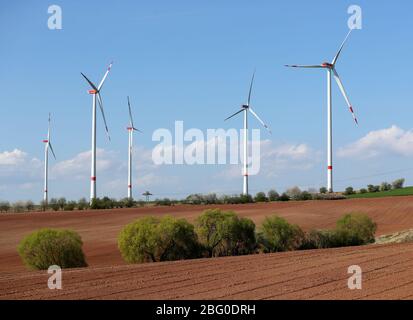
{"points": [[47, 145], [245, 108], [130, 129], [95, 91], [331, 70]]}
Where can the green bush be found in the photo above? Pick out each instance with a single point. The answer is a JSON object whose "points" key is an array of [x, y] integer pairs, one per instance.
{"points": [[82, 204], [47, 247], [363, 190], [385, 186], [260, 197], [355, 229], [319, 239], [323, 190], [284, 197], [151, 240], [349, 191], [273, 195], [398, 184], [371, 188], [224, 233], [278, 235], [4, 206]]}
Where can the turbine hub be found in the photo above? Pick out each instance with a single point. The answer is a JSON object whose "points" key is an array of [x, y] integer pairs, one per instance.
{"points": [[327, 65], [245, 106]]}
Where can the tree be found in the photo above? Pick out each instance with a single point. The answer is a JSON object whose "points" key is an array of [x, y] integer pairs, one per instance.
{"points": [[284, 197], [70, 206], [47, 247], [278, 235], [355, 229], [371, 188], [54, 204], [385, 186], [363, 190], [398, 184], [273, 195], [18, 206], [294, 193], [349, 191], [323, 190], [61, 203], [260, 197], [82, 204], [4, 206], [29, 205], [224, 233], [150, 240]]}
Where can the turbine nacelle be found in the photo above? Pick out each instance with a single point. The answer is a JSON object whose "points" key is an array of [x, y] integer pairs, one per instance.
{"points": [[327, 65], [245, 106], [92, 91]]}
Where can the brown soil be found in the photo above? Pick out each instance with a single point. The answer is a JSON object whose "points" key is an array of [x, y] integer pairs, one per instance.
{"points": [[316, 274], [272, 276]]}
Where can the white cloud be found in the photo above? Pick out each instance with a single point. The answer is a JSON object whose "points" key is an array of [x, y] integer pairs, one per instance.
{"points": [[12, 158], [79, 166], [391, 140], [277, 159]]}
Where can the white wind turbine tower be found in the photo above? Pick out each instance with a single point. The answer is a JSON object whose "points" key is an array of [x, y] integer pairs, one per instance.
{"points": [[95, 91], [331, 70], [130, 129], [47, 145], [245, 108]]}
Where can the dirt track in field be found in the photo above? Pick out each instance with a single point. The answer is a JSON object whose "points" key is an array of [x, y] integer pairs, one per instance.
{"points": [[318, 274], [99, 230]]}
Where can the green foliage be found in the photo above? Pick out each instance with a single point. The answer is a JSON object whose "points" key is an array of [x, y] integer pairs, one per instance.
{"points": [[70, 206], [224, 233], [61, 203], [349, 191], [278, 235], [355, 229], [371, 188], [164, 202], [363, 191], [82, 204], [18, 206], [260, 197], [398, 184], [318, 239], [284, 197], [273, 195], [385, 186], [4, 206], [53, 203], [294, 193], [323, 190], [150, 239], [47, 247]]}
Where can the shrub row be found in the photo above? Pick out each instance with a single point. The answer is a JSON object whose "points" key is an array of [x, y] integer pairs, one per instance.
{"points": [[385, 186], [216, 233]]}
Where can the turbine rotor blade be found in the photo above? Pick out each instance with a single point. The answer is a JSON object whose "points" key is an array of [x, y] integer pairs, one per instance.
{"points": [[234, 114], [341, 48], [260, 120], [135, 129], [130, 114], [318, 66], [90, 82], [343, 91], [104, 77], [51, 149], [103, 114], [252, 83]]}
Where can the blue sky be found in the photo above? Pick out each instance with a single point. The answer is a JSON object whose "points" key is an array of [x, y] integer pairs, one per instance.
{"points": [[192, 61]]}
